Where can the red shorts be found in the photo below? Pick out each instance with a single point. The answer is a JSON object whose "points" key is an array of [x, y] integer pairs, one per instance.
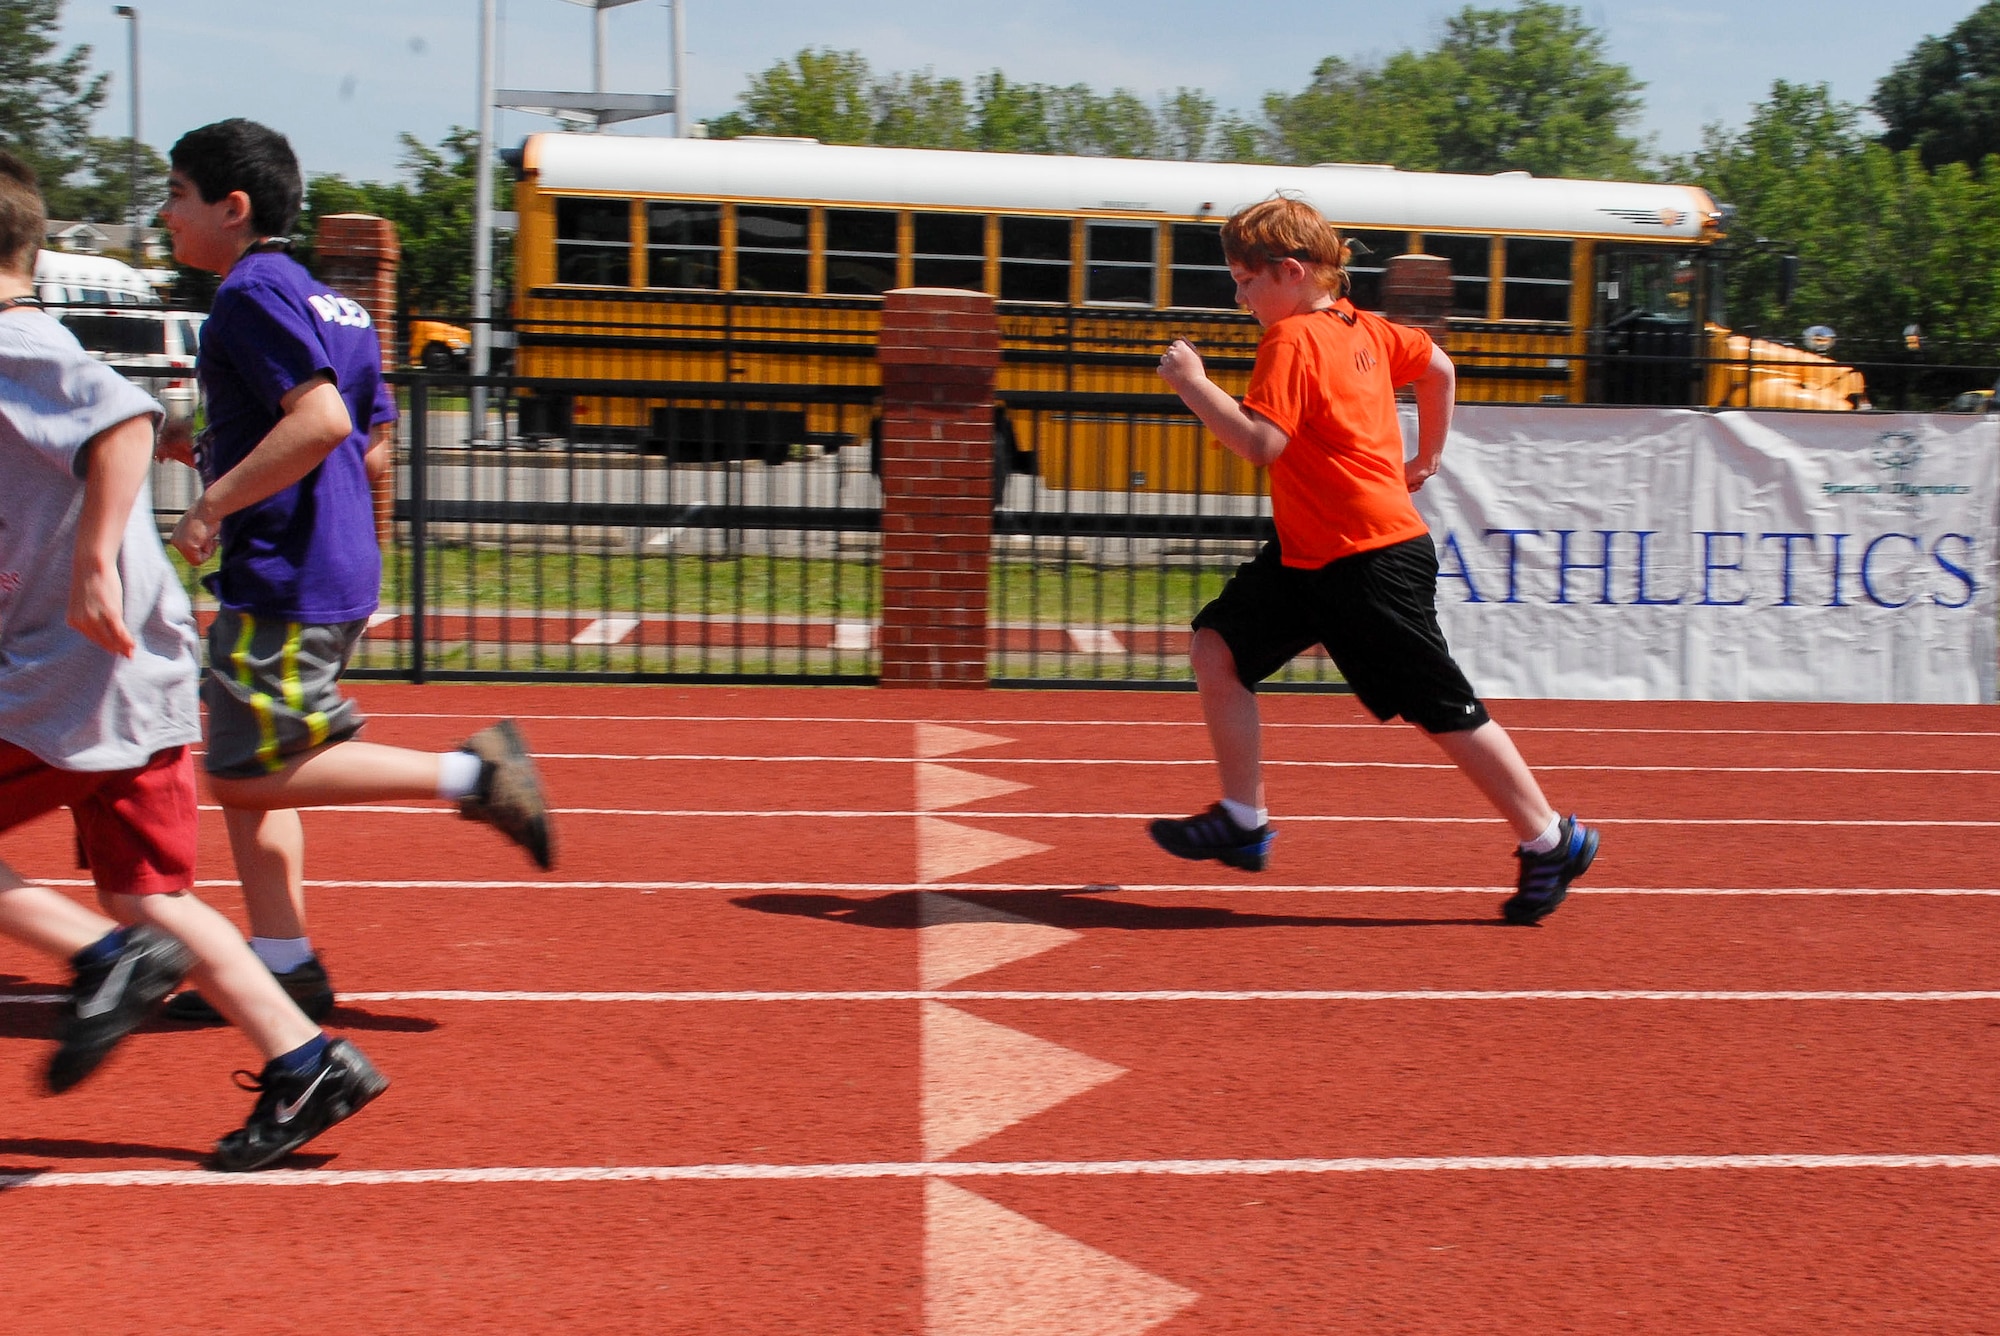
{"points": [[135, 829]]}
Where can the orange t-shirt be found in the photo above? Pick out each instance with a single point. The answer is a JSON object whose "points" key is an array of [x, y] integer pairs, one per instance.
{"points": [[1327, 379]]}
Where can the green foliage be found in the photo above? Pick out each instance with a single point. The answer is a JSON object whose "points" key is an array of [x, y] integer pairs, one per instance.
{"points": [[46, 100], [102, 192], [1884, 242], [1525, 89], [1943, 99], [431, 207], [834, 97]]}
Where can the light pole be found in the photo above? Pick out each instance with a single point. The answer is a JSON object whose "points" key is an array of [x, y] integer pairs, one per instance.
{"points": [[132, 163]]}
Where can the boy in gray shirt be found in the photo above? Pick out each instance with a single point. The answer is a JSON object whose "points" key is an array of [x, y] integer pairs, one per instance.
{"points": [[98, 674]]}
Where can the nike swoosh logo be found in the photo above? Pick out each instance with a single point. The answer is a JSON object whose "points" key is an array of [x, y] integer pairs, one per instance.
{"points": [[287, 1112], [110, 990]]}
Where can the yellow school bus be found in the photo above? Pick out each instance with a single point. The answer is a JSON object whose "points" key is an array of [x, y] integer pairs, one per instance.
{"points": [[762, 261]]}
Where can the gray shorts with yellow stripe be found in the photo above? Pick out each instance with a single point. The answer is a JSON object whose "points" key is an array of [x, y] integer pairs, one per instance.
{"points": [[273, 691]]}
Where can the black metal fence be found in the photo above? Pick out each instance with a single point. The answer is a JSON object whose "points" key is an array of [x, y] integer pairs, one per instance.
{"points": [[670, 531]]}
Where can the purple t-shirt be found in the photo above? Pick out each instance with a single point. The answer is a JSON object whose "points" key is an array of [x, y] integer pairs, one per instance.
{"points": [[307, 553]]}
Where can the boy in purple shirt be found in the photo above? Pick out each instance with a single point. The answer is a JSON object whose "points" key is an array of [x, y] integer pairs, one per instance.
{"points": [[291, 372]]}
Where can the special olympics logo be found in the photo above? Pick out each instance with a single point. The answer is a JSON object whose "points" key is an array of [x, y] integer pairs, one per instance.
{"points": [[1897, 451]]}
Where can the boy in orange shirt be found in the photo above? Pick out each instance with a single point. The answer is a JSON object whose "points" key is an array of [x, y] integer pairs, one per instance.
{"points": [[1353, 566]]}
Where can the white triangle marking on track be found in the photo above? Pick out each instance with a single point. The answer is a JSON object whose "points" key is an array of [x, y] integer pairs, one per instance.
{"points": [[989, 1271], [948, 849], [941, 786], [981, 1078], [960, 938], [943, 740]]}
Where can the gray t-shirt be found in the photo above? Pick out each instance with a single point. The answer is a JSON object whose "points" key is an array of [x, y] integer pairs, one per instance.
{"points": [[71, 703]]}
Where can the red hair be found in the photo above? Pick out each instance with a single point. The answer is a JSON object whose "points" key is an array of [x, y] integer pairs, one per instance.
{"points": [[1280, 228]]}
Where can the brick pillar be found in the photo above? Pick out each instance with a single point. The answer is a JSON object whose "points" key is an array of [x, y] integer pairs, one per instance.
{"points": [[358, 255], [1416, 290], [939, 350]]}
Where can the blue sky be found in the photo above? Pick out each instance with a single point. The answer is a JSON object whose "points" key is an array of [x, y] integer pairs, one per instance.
{"points": [[342, 80]]}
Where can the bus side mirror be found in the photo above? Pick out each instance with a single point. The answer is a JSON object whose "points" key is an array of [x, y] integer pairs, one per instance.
{"points": [[1788, 278]]}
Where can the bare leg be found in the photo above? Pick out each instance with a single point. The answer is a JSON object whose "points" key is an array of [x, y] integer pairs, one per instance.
{"points": [[46, 919], [1487, 756], [265, 833], [228, 974], [1230, 709], [333, 776], [270, 851]]}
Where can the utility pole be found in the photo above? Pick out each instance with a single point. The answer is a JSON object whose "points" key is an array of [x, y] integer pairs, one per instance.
{"points": [[132, 161], [482, 227], [680, 69]]}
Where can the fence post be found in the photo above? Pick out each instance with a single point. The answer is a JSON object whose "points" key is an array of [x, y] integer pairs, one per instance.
{"points": [[420, 504], [939, 350], [1416, 290]]}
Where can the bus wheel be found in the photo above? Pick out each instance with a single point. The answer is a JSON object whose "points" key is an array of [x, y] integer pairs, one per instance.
{"points": [[437, 359]]}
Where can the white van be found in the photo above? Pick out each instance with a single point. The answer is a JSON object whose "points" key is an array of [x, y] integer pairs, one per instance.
{"points": [[66, 279], [155, 347]]}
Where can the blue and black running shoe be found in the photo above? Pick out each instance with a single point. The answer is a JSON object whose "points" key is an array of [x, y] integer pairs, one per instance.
{"points": [[1545, 878], [1214, 834]]}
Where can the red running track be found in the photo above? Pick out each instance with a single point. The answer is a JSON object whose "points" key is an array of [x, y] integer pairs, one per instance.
{"points": [[859, 1012]]}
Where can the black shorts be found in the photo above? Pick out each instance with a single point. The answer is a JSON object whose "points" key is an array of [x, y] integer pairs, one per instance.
{"points": [[1376, 613]]}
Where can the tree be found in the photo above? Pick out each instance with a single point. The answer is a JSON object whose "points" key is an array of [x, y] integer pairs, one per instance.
{"points": [[1883, 241], [46, 100], [432, 210], [821, 93], [1526, 89], [1943, 99], [103, 193]]}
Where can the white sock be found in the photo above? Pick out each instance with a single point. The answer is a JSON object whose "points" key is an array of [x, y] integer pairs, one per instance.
{"points": [[1244, 815], [1547, 840], [282, 955], [458, 775]]}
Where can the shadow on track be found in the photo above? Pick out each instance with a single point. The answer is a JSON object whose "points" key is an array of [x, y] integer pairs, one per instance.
{"points": [[1075, 909]]}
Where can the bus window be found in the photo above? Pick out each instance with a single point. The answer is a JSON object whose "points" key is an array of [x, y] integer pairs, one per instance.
{"points": [[950, 251], [1471, 259], [684, 246], [1034, 260], [1536, 284], [773, 249], [860, 251], [1121, 258], [1200, 276], [594, 242], [1367, 259]]}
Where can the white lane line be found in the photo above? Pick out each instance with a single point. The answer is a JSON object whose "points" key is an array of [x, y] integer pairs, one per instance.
{"points": [[1044, 888], [1191, 724], [1141, 995], [1205, 763], [816, 814], [279, 1178]]}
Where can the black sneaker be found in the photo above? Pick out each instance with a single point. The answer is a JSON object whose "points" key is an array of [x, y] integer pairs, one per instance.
{"points": [[111, 998], [292, 1110], [1545, 878], [307, 985], [1215, 834], [509, 797]]}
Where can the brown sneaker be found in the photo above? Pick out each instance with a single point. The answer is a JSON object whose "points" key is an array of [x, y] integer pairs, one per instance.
{"points": [[509, 797]]}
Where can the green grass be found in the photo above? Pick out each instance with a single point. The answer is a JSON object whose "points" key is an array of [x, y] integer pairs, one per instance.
{"points": [[1049, 594]]}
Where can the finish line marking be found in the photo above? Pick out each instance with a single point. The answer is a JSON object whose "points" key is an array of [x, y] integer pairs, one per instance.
{"points": [[1043, 888], [279, 1178], [699, 758], [1145, 995], [1193, 723], [841, 814]]}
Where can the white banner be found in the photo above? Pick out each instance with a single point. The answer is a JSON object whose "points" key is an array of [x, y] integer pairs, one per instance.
{"points": [[1661, 554]]}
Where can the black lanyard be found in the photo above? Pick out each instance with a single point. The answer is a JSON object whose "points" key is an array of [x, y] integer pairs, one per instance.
{"points": [[9, 303]]}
